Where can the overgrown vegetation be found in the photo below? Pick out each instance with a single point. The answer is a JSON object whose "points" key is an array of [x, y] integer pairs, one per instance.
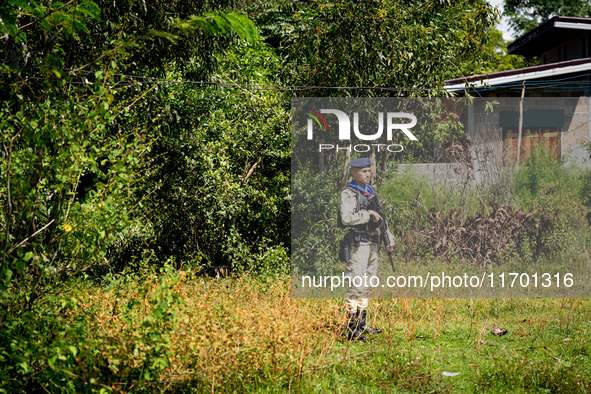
{"points": [[532, 212], [146, 150], [173, 330], [223, 169], [529, 214]]}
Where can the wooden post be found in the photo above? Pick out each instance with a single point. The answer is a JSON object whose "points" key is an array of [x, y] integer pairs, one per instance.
{"points": [[520, 130]]}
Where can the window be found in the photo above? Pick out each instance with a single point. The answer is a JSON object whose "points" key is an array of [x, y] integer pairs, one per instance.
{"points": [[531, 139]]}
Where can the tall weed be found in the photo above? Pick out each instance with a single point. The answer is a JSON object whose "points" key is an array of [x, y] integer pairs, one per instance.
{"points": [[551, 193], [174, 331]]}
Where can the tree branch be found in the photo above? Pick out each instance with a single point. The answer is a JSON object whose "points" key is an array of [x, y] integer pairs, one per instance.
{"points": [[21, 29], [254, 166], [31, 236]]}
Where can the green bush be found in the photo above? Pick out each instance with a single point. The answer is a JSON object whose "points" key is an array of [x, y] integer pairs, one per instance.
{"points": [[40, 347], [222, 185], [315, 235], [543, 187], [540, 171], [555, 192]]}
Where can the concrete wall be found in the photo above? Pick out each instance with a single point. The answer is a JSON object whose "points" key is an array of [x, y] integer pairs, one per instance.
{"points": [[577, 132], [487, 150], [449, 173]]}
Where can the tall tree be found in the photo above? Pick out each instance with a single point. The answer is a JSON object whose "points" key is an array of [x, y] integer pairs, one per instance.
{"points": [[493, 57], [75, 132], [397, 44], [524, 15]]}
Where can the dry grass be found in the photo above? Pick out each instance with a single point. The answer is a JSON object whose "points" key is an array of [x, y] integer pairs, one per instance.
{"points": [[217, 331], [246, 334]]}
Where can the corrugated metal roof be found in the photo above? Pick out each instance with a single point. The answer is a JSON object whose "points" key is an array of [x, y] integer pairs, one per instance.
{"points": [[521, 74]]}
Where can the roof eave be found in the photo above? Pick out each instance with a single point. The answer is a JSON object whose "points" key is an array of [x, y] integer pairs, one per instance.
{"points": [[517, 77]]}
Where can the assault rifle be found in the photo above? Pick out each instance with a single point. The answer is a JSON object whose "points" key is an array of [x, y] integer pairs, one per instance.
{"points": [[374, 204]]}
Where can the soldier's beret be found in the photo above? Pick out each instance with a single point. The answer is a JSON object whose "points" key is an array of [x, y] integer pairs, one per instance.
{"points": [[360, 163]]}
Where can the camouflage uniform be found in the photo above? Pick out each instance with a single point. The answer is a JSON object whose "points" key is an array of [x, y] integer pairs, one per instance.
{"points": [[363, 259], [356, 214]]}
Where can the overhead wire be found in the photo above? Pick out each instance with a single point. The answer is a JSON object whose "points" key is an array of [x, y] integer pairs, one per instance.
{"points": [[130, 79]]}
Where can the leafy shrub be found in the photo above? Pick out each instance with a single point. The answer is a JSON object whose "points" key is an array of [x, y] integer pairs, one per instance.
{"points": [[38, 349], [222, 185], [315, 235], [130, 249], [547, 218], [554, 190]]}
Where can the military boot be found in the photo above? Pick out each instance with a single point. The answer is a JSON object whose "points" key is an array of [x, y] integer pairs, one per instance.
{"points": [[363, 324], [354, 331]]}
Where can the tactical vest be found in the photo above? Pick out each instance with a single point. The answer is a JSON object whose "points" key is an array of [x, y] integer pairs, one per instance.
{"points": [[362, 204]]}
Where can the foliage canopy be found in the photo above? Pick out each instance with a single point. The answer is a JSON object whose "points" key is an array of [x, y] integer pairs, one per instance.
{"points": [[524, 15]]}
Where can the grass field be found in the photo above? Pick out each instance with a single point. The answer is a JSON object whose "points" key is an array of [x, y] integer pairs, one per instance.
{"points": [[147, 329], [175, 332]]}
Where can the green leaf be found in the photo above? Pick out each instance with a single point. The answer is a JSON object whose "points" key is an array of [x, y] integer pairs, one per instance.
{"points": [[73, 349], [51, 361], [213, 23], [166, 35], [7, 275]]}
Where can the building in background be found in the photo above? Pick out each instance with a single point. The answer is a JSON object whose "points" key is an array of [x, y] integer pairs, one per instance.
{"points": [[556, 104]]}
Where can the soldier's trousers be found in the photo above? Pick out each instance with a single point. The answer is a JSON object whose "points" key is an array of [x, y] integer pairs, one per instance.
{"points": [[363, 264]]}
